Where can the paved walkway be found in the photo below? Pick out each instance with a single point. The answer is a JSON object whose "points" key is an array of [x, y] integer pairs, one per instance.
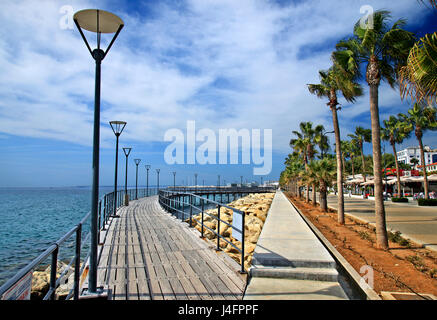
{"points": [[289, 261], [416, 223], [149, 255]]}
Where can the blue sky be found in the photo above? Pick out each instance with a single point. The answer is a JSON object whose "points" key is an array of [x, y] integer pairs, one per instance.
{"points": [[225, 64]]}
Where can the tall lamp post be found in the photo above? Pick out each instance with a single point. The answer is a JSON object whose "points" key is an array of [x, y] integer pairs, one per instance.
{"points": [[219, 181], [117, 128], [195, 180], [97, 21], [325, 140], [126, 196], [174, 180], [137, 162], [147, 179], [157, 172]]}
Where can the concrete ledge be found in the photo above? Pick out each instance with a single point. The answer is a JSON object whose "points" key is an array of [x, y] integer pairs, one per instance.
{"points": [[291, 289], [317, 274]]}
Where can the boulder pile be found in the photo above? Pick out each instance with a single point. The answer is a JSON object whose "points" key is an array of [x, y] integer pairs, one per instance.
{"points": [[256, 207], [41, 282]]}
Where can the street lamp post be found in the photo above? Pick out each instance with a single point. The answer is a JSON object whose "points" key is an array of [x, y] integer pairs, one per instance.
{"points": [[147, 181], [117, 128], [195, 181], [157, 172], [174, 180], [219, 181], [126, 196], [241, 181], [137, 162], [326, 140], [97, 21]]}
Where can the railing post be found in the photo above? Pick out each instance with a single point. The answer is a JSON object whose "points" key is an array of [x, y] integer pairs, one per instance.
{"points": [[104, 212], [53, 270], [203, 209], [99, 221], [218, 229], [242, 242], [191, 211], [77, 262]]}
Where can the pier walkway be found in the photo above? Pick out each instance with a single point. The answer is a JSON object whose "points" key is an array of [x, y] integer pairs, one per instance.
{"points": [[148, 254]]}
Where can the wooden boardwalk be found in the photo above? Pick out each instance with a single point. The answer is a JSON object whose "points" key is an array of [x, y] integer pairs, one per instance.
{"points": [[150, 255]]}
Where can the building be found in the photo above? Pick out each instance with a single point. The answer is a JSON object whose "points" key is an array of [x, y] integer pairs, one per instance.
{"points": [[406, 155], [429, 167]]}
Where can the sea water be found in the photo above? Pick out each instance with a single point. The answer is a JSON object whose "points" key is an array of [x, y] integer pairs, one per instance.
{"points": [[31, 219]]}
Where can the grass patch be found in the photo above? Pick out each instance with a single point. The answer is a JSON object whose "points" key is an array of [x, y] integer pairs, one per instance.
{"points": [[396, 238]]}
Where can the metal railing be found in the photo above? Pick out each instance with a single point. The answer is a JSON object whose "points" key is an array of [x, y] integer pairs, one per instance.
{"points": [[176, 202], [224, 189], [105, 211]]}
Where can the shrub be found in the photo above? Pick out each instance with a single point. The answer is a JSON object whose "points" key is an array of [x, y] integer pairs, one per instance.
{"points": [[399, 199], [427, 202], [396, 237]]}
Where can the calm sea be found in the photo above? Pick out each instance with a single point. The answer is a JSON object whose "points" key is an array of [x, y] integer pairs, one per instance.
{"points": [[31, 219]]}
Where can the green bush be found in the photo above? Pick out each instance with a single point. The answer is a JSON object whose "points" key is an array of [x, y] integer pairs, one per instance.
{"points": [[427, 202], [399, 199]]}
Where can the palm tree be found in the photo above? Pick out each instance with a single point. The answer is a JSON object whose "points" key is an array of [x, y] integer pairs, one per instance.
{"points": [[353, 152], [294, 165], [304, 145], [418, 79], [345, 146], [332, 81], [299, 145], [322, 173], [395, 132], [385, 50], [420, 119], [415, 162], [361, 136]]}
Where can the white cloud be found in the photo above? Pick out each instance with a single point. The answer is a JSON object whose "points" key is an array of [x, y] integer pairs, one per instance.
{"points": [[160, 72]]}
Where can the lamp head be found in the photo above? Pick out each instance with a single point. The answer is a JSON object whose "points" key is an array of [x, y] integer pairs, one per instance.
{"points": [[137, 161], [148, 166], [98, 21], [117, 127], [127, 151]]}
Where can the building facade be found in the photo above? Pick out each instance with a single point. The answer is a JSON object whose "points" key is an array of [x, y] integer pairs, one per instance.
{"points": [[406, 155]]}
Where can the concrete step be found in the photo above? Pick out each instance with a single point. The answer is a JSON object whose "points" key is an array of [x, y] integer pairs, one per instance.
{"points": [[315, 274], [269, 260], [292, 289]]}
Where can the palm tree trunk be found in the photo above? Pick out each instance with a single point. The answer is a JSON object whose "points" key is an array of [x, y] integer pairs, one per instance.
{"points": [[363, 161], [307, 195], [314, 194], [398, 174], [323, 198], [425, 174], [381, 228], [353, 167], [340, 196]]}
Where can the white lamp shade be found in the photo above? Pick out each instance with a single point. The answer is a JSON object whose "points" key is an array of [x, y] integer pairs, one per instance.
{"points": [[106, 23]]}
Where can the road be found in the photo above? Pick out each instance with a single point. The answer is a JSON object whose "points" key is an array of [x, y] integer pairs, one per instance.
{"points": [[416, 223]]}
